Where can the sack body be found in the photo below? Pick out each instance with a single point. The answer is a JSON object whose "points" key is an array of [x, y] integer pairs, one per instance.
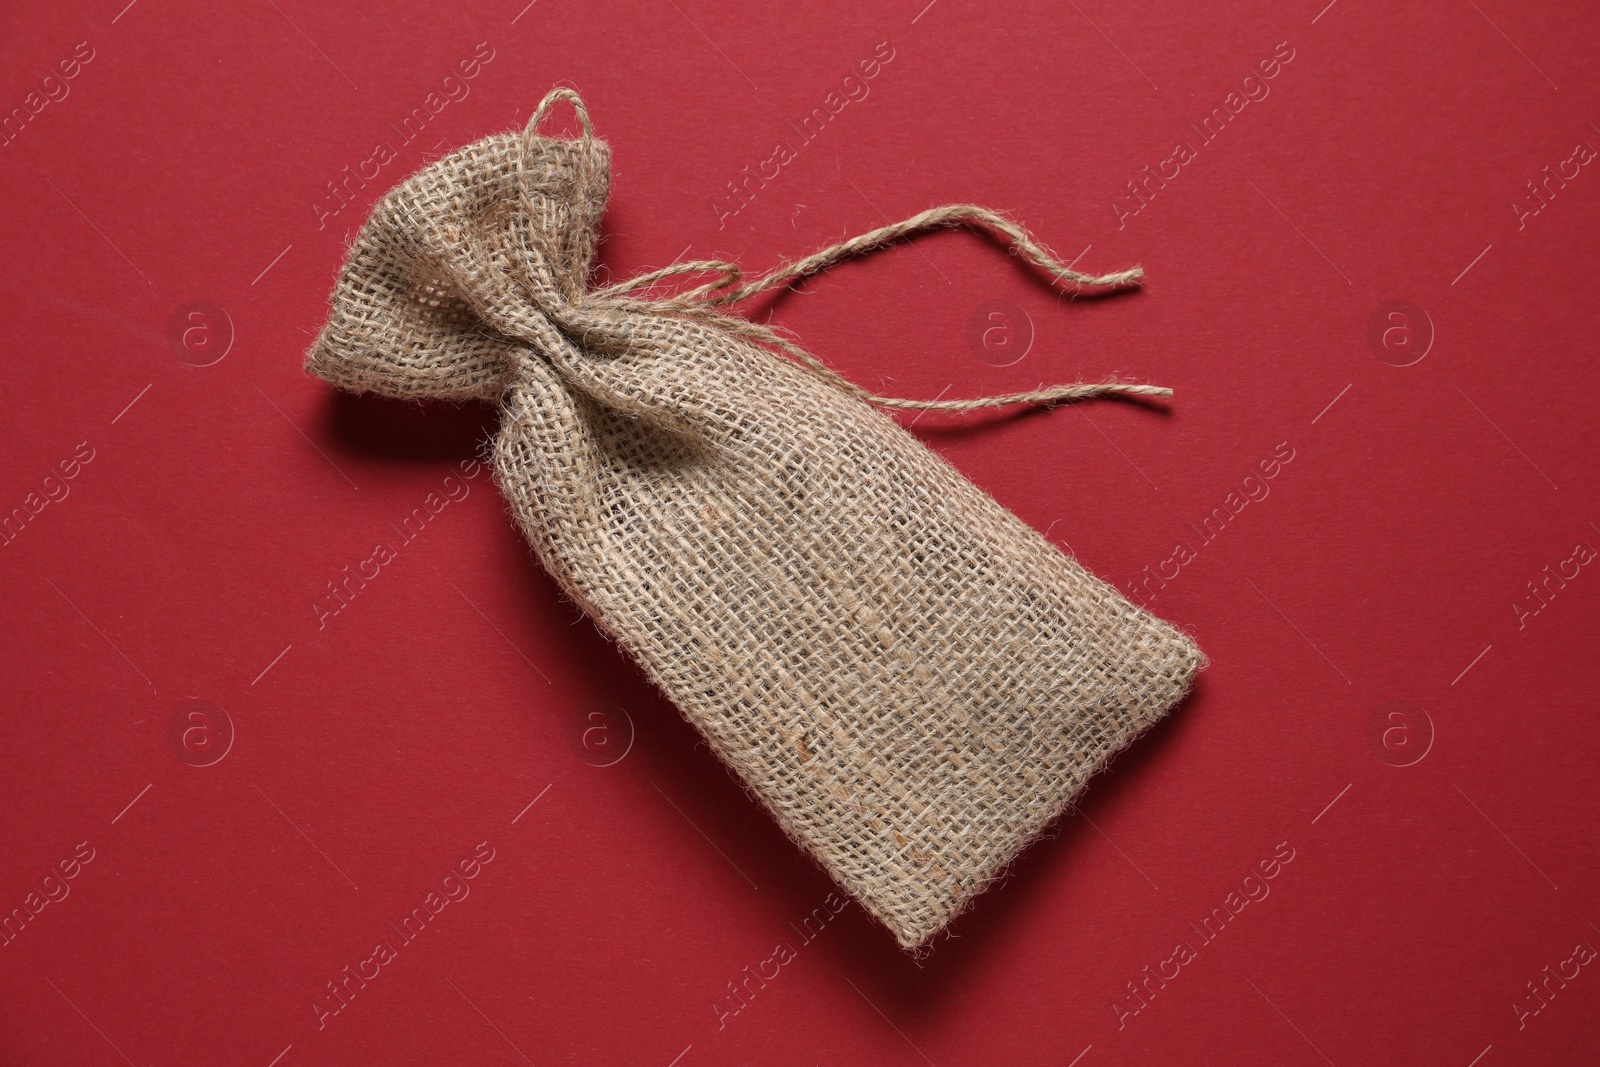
{"points": [[912, 680]]}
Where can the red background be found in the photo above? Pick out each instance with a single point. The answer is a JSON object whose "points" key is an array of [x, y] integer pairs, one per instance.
{"points": [[371, 755]]}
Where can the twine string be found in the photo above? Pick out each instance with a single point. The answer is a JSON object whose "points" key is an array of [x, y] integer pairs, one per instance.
{"points": [[705, 302]]}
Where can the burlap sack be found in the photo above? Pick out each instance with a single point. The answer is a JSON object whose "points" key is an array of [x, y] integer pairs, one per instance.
{"points": [[910, 678]]}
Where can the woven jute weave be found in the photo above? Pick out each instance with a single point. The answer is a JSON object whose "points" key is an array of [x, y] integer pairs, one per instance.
{"points": [[911, 679]]}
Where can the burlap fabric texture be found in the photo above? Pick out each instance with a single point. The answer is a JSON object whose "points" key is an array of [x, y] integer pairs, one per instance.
{"points": [[911, 679]]}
